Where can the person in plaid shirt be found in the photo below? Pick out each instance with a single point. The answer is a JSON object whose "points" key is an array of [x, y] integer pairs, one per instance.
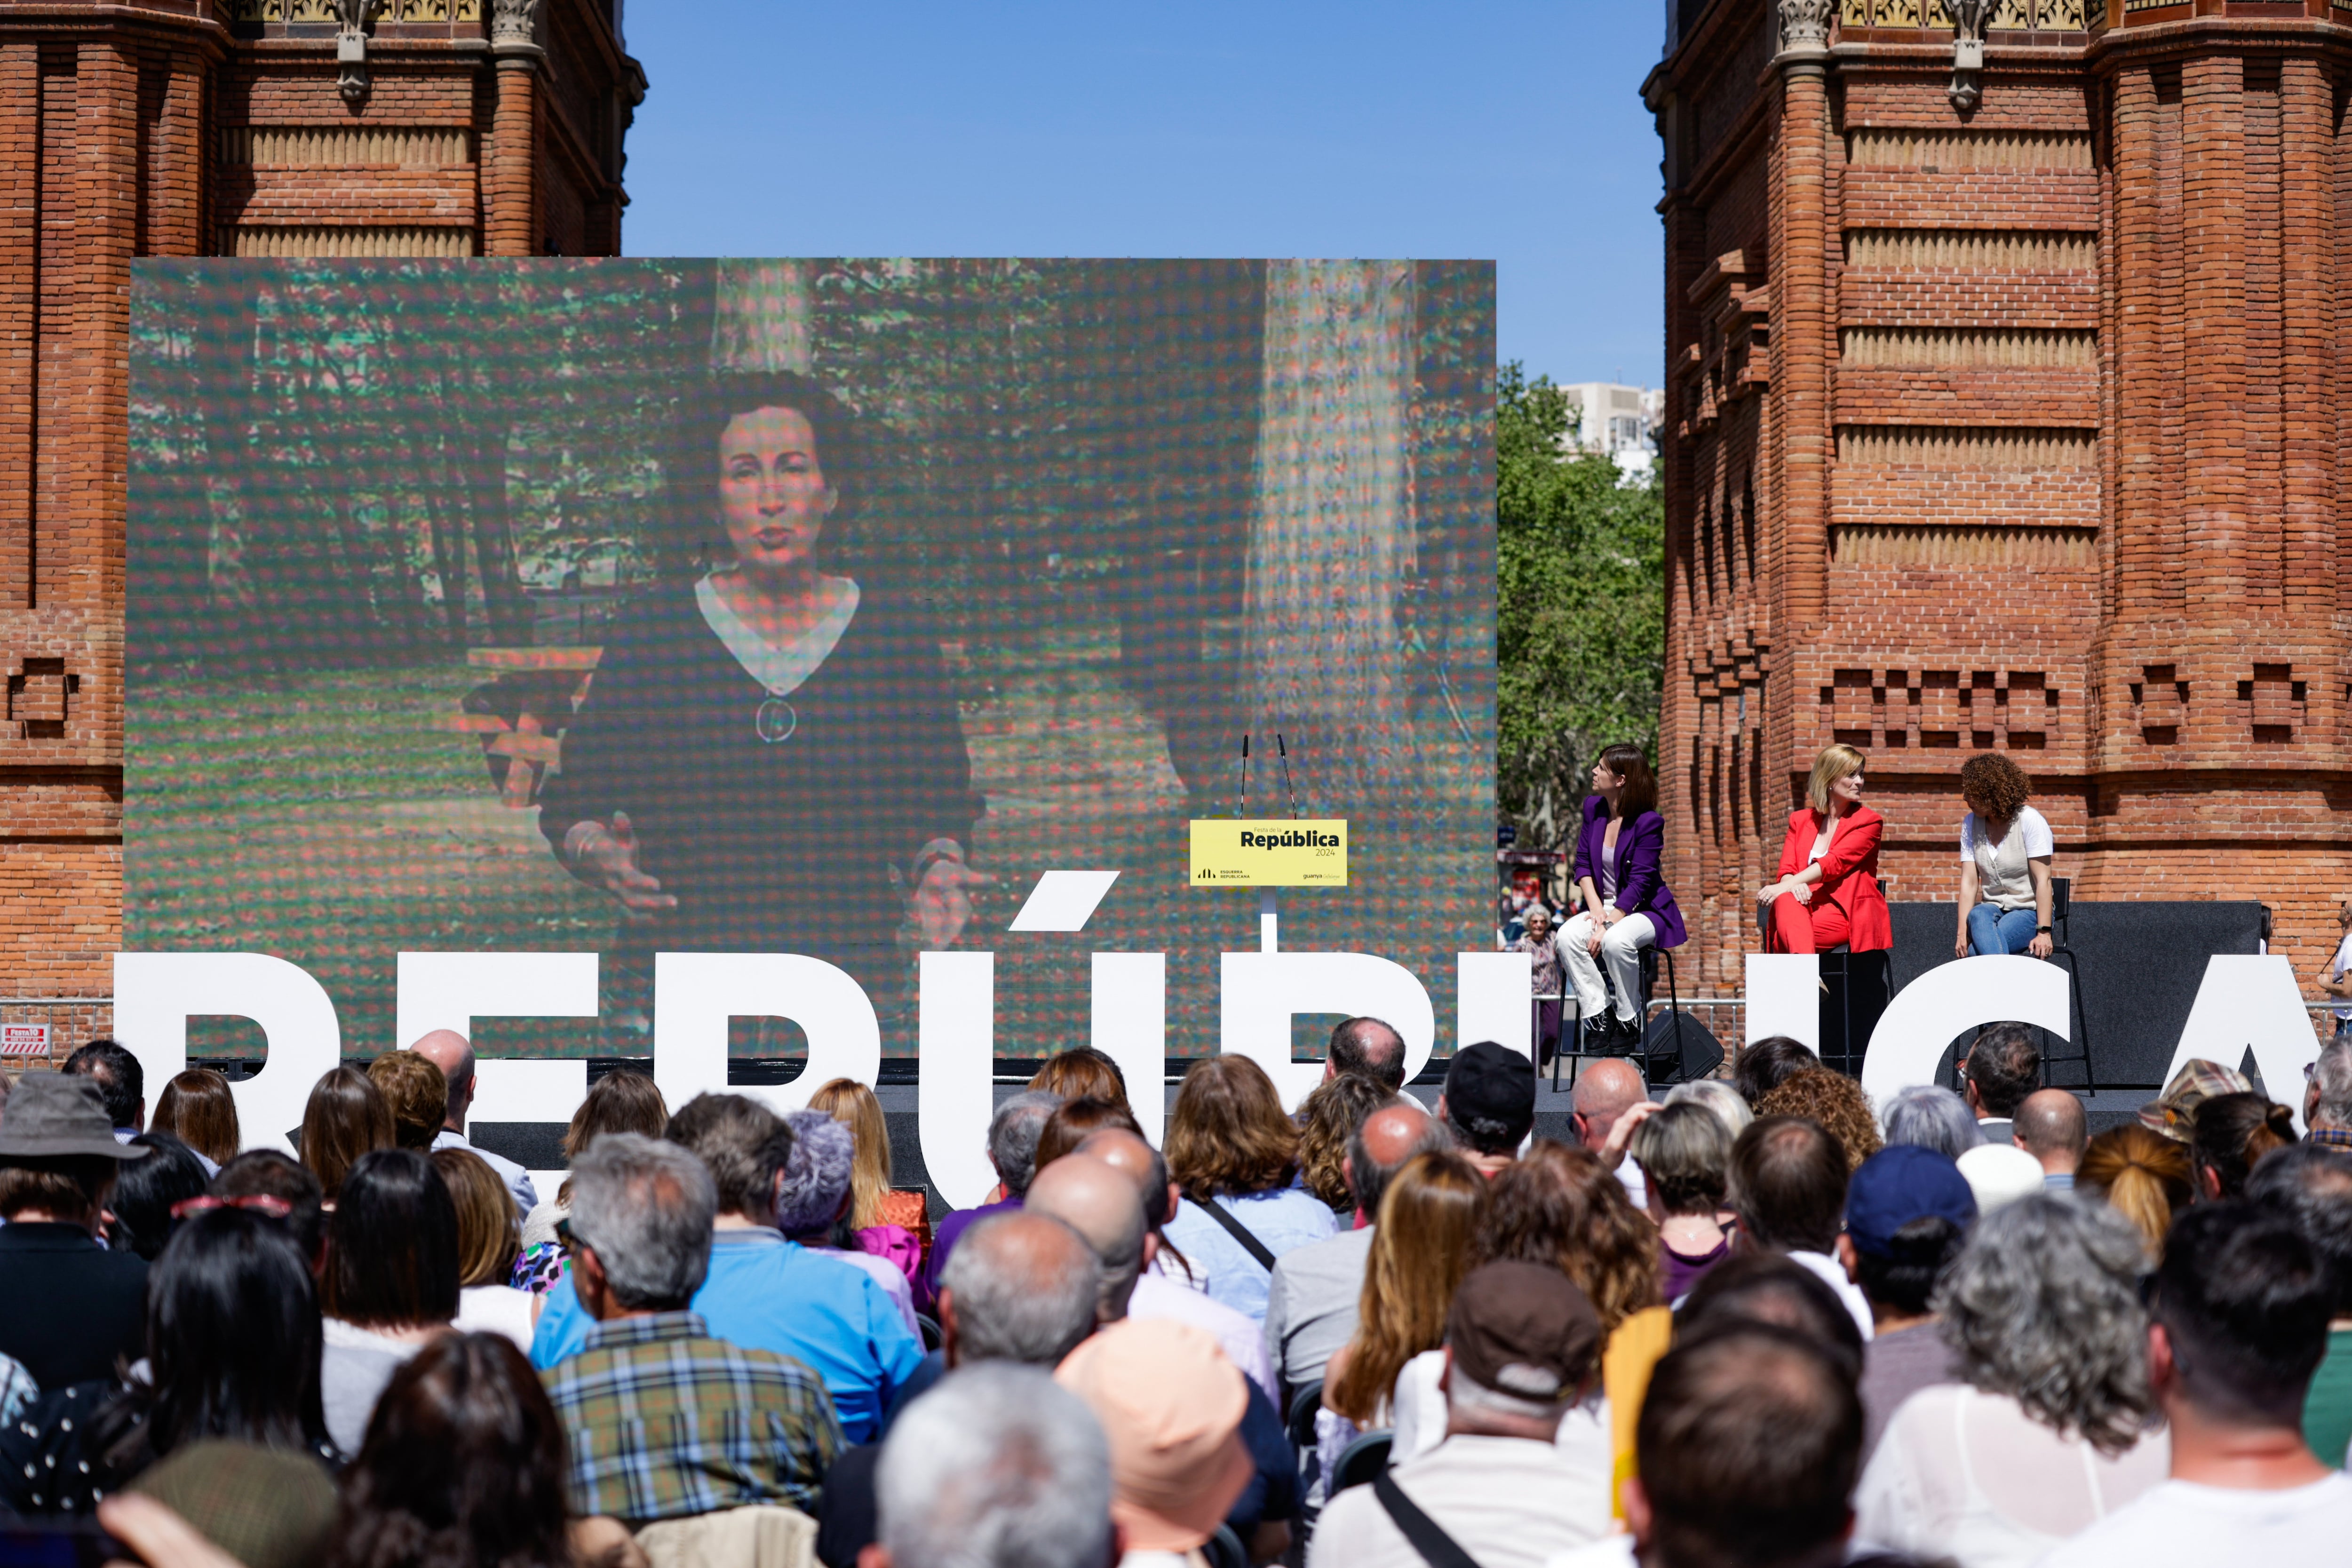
{"points": [[665, 1421]]}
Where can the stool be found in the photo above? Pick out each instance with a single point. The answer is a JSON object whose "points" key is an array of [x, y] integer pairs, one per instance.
{"points": [[1572, 1020], [2060, 902]]}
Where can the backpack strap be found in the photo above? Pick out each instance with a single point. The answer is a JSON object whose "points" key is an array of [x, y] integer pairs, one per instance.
{"points": [[1241, 1233], [1437, 1549]]}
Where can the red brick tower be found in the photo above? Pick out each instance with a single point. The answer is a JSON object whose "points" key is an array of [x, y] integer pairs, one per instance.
{"points": [[2009, 359], [133, 128]]}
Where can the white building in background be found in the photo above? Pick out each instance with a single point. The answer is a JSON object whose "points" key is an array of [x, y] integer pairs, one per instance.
{"points": [[1621, 421]]}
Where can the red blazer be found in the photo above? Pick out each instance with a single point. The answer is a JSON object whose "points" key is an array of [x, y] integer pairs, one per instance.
{"points": [[1849, 871]]}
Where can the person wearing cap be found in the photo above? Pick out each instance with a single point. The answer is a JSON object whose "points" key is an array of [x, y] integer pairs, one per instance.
{"points": [[69, 1306], [1171, 1406], [2000, 1174], [1488, 1103], [1907, 1210], [1521, 1347], [2174, 1112]]}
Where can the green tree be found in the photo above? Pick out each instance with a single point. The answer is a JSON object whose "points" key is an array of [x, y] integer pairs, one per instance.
{"points": [[1580, 619]]}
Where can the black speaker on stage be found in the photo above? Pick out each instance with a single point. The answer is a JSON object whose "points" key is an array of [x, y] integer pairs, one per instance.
{"points": [[1678, 1048]]}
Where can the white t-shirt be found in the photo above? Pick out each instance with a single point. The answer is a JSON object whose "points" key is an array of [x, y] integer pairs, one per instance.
{"points": [[496, 1310], [2035, 826], [2196, 1526], [2335, 971], [1510, 1504], [1971, 1477], [1832, 1273]]}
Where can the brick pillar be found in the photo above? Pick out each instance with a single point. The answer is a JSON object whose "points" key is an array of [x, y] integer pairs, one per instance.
{"points": [[20, 279], [1802, 347], [510, 196], [2309, 387], [86, 570], [2213, 301]]}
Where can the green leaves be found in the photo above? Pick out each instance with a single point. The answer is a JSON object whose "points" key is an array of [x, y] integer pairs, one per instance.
{"points": [[1580, 616]]}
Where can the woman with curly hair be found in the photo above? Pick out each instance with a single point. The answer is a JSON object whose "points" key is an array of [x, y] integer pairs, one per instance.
{"points": [[2005, 855], [1232, 1153], [2049, 1429], [1559, 1204], [1834, 1102], [1327, 1118]]}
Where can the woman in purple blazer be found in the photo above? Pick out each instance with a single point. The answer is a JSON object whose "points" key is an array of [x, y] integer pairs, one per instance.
{"points": [[1627, 904]]}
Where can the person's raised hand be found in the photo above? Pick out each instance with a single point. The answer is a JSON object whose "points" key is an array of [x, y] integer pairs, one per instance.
{"points": [[943, 900], [160, 1537], [1621, 1132], [606, 857]]}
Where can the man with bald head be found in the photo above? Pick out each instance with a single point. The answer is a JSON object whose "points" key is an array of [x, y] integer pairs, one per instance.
{"points": [[1310, 1306], [1102, 1204], [1605, 1091], [453, 1055], [2050, 1125], [1164, 1289]]}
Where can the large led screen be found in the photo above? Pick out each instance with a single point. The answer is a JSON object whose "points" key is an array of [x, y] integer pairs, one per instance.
{"points": [[814, 607]]}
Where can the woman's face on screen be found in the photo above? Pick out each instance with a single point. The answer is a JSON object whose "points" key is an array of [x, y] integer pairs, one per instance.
{"points": [[772, 492]]}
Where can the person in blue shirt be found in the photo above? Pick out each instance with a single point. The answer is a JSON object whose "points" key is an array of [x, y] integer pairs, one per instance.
{"points": [[764, 1291]]}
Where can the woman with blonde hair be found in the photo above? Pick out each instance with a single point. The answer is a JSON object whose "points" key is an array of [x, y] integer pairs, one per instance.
{"points": [[1428, 1222], [2142, 1175], [1828, 892], [889, 1224], [197, 1109], [1232, 1153]]}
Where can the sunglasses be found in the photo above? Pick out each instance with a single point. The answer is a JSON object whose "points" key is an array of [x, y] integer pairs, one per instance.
{"points": [[568, 1239], [256, 1202]]}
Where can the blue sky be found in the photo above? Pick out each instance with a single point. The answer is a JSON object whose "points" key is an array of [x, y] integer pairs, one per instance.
{"points": [[1484, 128]]}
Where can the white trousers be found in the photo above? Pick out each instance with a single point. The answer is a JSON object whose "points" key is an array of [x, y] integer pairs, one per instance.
{"points": [[1620, 950]]}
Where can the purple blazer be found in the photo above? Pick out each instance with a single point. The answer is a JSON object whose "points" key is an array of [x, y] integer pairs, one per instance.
{"points": [[1641, 889]]}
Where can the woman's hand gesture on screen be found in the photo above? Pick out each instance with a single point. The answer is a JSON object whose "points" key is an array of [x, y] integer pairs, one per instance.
{"points": [[606, 857], [943, 900]]}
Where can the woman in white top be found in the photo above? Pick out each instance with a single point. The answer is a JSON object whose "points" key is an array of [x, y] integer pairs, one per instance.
{"points": [[2005, 854], [2049, 1432], [489, 1233]]}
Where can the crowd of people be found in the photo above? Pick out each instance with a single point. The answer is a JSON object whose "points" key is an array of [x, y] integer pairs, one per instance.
{"points": [[1756, 1321]]}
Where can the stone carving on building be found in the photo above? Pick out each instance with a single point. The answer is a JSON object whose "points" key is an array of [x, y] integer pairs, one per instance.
{"points": [[1805, 27], [351, 17], [1970, 18], [514, 23]]}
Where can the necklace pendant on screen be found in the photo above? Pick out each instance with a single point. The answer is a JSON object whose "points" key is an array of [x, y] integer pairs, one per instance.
{"points": [[775, 722]]}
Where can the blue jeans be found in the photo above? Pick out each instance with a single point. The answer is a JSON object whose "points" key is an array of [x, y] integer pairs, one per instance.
{"points": [[1990, 930]]}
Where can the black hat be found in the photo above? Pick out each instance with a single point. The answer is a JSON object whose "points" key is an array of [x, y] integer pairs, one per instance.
{"points": [[1490, 1092], [51, 1114]]}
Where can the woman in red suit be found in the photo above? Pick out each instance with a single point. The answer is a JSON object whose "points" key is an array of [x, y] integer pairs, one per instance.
{"points": [[1828, 892]]}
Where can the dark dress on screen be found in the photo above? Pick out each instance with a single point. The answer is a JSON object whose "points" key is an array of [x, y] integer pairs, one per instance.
{"points": [[787, 847]]}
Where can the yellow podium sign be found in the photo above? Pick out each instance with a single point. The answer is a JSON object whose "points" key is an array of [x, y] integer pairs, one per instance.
{"points": [[1238, 852]]}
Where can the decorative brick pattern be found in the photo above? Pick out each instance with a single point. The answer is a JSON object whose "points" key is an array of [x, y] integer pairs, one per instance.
{"points": [[178, 128], [2026, 429]]}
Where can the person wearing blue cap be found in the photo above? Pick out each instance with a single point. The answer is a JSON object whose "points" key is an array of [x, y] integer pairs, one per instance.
{"points": [[1907, 1210]]}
